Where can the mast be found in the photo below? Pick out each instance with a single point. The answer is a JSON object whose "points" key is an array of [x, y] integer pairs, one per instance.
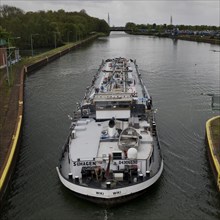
{"points": [[108, 20]]}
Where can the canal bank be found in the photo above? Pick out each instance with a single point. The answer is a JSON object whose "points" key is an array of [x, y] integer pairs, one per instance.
{"points": [[12, 127], [175, 83], [195, 38], [201, 39], [213, 140]]}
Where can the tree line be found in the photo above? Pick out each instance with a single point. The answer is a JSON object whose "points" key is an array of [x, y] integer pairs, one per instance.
{"points": [[47, 28], [160, 28]]}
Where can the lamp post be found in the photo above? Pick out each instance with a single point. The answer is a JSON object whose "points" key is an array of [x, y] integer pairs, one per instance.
{"points": [[55, 38], [68, 36], [7, 72], [8, 55], [32, 47], [76, 35]]}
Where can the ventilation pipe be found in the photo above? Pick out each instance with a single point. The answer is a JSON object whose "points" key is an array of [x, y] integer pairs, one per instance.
{"points": [[111, 128]]}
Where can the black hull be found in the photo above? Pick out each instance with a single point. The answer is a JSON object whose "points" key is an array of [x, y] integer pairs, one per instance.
{"points": [[113, 201]]}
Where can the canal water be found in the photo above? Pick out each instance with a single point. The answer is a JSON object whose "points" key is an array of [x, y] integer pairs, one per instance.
{"points": [[178, 74]]}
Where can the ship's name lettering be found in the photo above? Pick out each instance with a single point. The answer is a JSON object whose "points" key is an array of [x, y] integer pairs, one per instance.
{"points": [[125, 162], [100, 193], [114, 193], [84, 163], [117, 192]]}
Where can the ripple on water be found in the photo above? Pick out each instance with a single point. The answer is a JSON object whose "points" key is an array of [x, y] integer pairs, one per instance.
{"points": [[176, 73]]}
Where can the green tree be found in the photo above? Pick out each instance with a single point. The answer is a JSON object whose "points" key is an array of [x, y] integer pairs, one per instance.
{"points": [[131, 26], [63, 25], [3, 33]]}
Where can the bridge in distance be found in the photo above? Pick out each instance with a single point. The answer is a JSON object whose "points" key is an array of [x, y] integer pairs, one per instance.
{"points": [[119, 29]]}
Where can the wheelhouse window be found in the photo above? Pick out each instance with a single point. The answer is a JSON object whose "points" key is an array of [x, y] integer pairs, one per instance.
{"points": [[112, 105], [117, 155]]}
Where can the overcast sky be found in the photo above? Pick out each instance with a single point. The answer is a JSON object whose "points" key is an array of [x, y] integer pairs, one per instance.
{"points": [[192, 12]]}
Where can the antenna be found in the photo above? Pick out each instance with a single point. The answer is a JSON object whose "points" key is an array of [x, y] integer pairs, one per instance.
{"points": [[108, 20]]}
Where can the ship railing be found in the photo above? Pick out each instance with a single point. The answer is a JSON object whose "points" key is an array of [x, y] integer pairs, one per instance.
{"points": [[94, 174], [145, 91], [138, 166]]}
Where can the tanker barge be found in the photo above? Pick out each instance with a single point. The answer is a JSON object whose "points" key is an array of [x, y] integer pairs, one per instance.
{"points": [[112, 153]]}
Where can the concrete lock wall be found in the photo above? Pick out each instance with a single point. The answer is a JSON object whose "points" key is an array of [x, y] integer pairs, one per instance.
{"points": [[213, 151], [11, 156], [10, 160]]}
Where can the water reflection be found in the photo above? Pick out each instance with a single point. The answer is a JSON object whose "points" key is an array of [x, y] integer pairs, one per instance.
{"points": [[186, 189]]}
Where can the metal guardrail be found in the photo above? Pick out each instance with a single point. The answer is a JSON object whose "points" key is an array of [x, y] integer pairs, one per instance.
{"points": [[215, 100]]}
